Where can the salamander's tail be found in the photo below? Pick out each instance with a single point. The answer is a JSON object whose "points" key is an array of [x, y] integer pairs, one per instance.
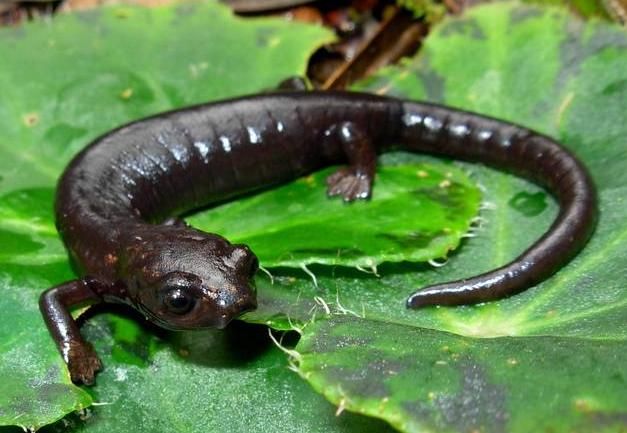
{"points": [[492, 285], [512, 148]]}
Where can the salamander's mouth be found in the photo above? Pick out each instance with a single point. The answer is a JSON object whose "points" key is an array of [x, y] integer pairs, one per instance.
{"points": [[242, 306], [154, 318]]}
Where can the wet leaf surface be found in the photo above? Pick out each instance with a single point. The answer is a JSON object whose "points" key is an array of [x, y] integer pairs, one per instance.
{"points": [[284, 226], [424, 380], [215, 381], [549, 359], [65, 82], [504, 366]]}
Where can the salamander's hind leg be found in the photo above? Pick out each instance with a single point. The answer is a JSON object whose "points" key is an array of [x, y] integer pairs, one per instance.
{"points": [[355, 181], [54, 303]]}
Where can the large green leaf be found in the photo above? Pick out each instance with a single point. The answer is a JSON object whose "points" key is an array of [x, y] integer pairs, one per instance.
{"points": [[61, 84], [585, 8], [64, 109], [549, 359], [288, 221], [209, 381], [539, 68], [422, 380]]}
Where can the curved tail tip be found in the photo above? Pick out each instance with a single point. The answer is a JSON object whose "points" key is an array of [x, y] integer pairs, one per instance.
{"points": [[419, 300]]}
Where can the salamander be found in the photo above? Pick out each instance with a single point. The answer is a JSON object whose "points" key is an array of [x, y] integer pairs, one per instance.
{"points": [[118, 201]]}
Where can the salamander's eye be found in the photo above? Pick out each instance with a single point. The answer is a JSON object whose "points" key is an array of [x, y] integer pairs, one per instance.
{"points": [[178, 301]]}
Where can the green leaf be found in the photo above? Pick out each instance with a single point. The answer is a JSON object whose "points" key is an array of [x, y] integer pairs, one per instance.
{"points": [[432, 11], [584, 8], [60, 117], [210, 381], [130, 62], [34, 385], [422, 380], [288, 221], [549, 359], [65, 82], [539, 68]]}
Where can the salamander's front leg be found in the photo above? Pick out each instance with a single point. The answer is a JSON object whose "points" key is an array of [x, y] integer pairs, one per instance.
{"points": [[55, 304], [354, 181]]}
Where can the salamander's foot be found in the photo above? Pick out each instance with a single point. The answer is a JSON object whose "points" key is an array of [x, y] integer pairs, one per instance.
{"points": [[350, 184], [83, 363]]}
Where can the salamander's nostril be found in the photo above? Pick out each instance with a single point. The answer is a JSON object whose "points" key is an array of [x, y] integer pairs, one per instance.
{"points": [[247, 303]]}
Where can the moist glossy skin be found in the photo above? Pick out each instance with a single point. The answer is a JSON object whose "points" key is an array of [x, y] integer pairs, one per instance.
{"points": [[118, 199]]}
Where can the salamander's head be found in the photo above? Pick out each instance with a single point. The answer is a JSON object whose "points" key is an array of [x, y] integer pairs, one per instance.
{"points": [[190, 279]]}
